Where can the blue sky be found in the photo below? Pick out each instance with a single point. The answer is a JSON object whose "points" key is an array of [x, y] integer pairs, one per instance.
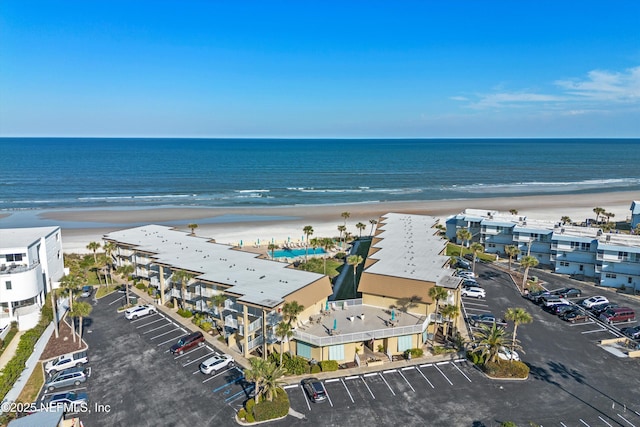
{"points": [[320, 69]]}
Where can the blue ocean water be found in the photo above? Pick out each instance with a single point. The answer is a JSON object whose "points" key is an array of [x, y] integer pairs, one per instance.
{"points": [[47, 173]]}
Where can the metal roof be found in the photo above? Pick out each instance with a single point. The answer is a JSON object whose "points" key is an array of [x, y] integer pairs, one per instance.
{"points": [[258, 281], [409, 248], [11, 238]]}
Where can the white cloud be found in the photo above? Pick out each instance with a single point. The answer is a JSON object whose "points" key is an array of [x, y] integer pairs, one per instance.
{"points": [[606, 85], [459, 98]]}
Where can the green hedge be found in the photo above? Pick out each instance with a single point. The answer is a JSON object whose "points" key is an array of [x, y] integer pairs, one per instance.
{"points": [[141, 286], [12, 370], [329, 365], [507, 369], [315, 369], [278, 407], [185, 313]]}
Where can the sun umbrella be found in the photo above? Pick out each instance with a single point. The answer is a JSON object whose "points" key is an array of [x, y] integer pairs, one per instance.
{"points": [[393, 314], [326, 306], [335, 324]]}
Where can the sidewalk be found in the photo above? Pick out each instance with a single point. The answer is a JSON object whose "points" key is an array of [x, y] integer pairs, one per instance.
{"points": [[10, 351], [244, 362]]}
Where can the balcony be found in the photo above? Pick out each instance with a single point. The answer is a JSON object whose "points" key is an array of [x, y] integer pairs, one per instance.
{"points": [[17, 268]]}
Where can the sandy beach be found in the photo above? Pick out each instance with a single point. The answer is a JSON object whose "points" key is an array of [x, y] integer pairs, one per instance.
{"points": [[283, 224]]}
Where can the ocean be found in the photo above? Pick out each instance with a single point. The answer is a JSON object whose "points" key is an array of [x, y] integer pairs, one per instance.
{"points": [[53, 173]]}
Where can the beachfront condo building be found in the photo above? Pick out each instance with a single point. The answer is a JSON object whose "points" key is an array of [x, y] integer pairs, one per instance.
{"points": [[635, 214], [31, 265], [394, 314], [611, 259]]}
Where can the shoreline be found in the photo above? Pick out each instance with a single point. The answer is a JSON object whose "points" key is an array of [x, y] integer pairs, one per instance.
{"points": [[230, 225]]}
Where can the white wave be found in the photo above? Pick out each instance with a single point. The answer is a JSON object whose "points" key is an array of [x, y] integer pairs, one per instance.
{"points": [[547, 186], [252, 191]]}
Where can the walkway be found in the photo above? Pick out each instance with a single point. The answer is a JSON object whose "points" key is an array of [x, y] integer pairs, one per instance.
{"points": [[10, 351]]}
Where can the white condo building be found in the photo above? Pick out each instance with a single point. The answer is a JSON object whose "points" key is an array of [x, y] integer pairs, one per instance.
{"points": [[612, 259], [31, 264]]}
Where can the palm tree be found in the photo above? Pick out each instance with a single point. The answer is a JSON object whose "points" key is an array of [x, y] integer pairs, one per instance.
{"points": [[598, 211], [346, 216], [513, 211], [283, 331], [193, 228], [360, 226], [308, 231], [271, 381], [373, 222], [218, 301], [291, 310], [93, 247], [476, 248], [109, 248], [256, 374], [637, 229], [342, 229], [512, 252], [272, 248], [183, 278], [70, 283], [519, 316], [527, 262], [80, 310], [450, 312], [463, 235], [315, 243], [437, 293], [124, 271], [326, 243], [355, 261], [609, 215], [565, 220], [490, 339]]}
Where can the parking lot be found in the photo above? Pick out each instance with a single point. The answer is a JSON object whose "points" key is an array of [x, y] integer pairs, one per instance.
{"points": [[135, 380]]}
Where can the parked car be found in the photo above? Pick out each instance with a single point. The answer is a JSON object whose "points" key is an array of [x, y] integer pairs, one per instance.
{"points": [[568, 292], [216, 363], [87, 291], [485, 318], [470, 283], [465, 273], [506, 354], [73, 376], [474, 292], [69, 402], [590, 302], [618, 314], [574, 316], [187, 342], [551, 300], [66, 361], [139, 311], [558, 309], [314, 389], [632, 332], [598, 309], [462, 263], [537, 295]]}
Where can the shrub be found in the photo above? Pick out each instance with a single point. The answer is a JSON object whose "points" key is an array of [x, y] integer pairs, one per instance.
{"points": [[416, 352], [249, 404], [315, 369], [475, 358], [438, 349], [341, 255], [329, 365], [278, 407], [185, 313], [242, 413], [141, 286], [508, 424], [206, 326], [507, 369], [295, 365], [250, 418]]}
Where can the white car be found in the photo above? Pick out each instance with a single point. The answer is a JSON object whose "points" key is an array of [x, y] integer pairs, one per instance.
{"points": [[216, 363], [465, 273], [505, 354], [590, 302], [139, 311], [473, 292]]}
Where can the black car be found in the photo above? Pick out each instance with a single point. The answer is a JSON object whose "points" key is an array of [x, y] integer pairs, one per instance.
{"points": [[575, 316], [486, 319], [314, 389], [631, 332], [568, 292], [598, 309], [559, 309], [538, 295]]}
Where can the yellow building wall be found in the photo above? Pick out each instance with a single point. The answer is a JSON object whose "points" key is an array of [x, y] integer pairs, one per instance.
{"points": [[418, 308]]}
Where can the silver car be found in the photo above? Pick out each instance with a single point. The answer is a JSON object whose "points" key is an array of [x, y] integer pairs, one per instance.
{"points": [[73, 376]]}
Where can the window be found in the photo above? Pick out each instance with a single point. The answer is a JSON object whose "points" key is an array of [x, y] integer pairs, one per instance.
{"points": [[581, 267], [629, 280], [14, 257], [336, 352], [610, 276], [404, 343], [303, 349], [564, 264], [622, 255], [8, 284], [492, 245]]}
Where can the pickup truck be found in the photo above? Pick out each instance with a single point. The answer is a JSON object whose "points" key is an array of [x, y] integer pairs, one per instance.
{"points": [[66, 361]]}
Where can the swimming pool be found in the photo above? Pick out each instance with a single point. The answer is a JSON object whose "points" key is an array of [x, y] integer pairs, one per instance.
{"points": [[293, 253]]}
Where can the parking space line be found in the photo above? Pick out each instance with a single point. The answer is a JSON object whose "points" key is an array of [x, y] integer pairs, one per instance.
{"points": [[563, 424], [405, 378], [426, 365], [626, 420], [584, 422], [327, 394], [147, 324], [332, 380], [367, 386], [604, 421], [187, 353], [594, 330], [113, 302], [195, 360], [460, 370], [155, 329], [406, 368], [425, 377], [352, 377], [46, 393], [247, 391], [228, 384], [588, 322], [168, 341], [140, 319], [370, 374], [306, 398], [220, 373], [389, 371], [385, 381], [287, 387], [445, 377], [347, 389], [443, 363], [158, 336]]}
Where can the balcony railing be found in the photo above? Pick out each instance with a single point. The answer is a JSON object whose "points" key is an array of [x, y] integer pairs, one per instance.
{"points": [[360, 336], [20, 268], [255, 342]]}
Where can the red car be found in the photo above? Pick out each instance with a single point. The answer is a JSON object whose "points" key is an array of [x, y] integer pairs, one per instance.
{"points": [[187, 342]]}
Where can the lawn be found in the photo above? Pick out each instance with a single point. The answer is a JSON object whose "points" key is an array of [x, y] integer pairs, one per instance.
{"points": [[33, 386]]}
